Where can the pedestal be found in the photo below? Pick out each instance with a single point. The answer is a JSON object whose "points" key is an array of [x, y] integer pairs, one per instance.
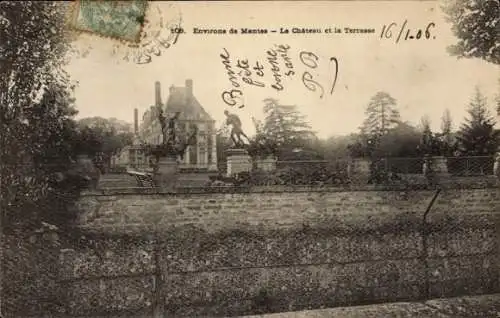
{"points": [[167, 173], [436, 166], [266, 164], [440, 165], [238, 161], [358, 170]]}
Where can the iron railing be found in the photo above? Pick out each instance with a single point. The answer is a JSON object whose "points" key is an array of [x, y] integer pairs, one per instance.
{"points": [[343, 171]]}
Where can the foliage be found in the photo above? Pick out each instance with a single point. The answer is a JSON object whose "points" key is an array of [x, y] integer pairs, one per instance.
{"points": [[447, 128], [437, 144], [284, 127], [381, 115], [341, 147], [103, 136], [400, 141], [403, 140], [476, 24], [304, 174], [261, 145], [446, 123], [428, 139], [223, 142], [477, 136], [36, 110], [497, 99]]}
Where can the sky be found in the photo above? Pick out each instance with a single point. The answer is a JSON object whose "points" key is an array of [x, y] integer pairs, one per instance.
{"points": [[420, 74]]}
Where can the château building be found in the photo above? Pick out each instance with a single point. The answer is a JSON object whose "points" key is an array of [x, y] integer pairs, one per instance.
{"points": [[203, 155]]}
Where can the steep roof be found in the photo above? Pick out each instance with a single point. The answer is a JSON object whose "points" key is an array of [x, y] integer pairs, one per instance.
{"points": [[182, 100]]}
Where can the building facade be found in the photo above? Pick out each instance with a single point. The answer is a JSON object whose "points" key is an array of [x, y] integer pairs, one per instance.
{"points": [[203, 155]]}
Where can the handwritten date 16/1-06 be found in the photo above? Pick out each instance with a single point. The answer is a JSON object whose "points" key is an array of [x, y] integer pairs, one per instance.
{"points": [[404, 32]]}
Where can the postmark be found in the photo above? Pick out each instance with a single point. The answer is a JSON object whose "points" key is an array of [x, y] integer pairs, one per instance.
{"points": [[156, 36], [122, 20]]}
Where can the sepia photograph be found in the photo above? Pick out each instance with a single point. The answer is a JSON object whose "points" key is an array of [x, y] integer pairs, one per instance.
{"points": [[258, 159]]}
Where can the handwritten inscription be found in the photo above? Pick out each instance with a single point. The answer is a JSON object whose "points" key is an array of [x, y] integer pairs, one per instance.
{"points": [[280, 52], [233, 97], [404, 32], [280, 66]]}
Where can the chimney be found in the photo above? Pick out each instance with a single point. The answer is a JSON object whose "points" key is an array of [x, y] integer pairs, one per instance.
{"points": [[189, 87], [157, 94], [136, 121]]}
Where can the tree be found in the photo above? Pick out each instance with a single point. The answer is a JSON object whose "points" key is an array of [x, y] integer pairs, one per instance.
{"points": [[425, 123], [447, 136], [477, 136], [108, 136], [223, 142], [475, 23], [381, 115], [497, 99], [400, 141], [35, 109], [446, 123], [427, 135], [285, 127], [262, 145]]}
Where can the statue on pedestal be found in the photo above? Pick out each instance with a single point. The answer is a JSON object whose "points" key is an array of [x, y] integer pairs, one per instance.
{"points": [[164, 156], [168, 127], [236, 130]]}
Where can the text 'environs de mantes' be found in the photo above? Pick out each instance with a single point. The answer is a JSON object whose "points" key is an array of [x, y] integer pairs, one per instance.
{"points": [[294, 30]]}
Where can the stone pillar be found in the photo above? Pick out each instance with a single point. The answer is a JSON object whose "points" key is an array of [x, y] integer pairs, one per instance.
{"points": [[167, 174], [358, 170], [206, 152], [198, 151], [435, 168], [238, 161], [437, 165], [213, 164], [440, 165], [496, 166], [187, 154]]}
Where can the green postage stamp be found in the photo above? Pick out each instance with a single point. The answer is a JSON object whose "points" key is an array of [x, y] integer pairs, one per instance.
{"points": [[121, 20]]}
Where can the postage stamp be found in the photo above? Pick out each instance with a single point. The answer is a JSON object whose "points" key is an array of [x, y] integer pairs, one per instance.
{"points": [[122, 20]]}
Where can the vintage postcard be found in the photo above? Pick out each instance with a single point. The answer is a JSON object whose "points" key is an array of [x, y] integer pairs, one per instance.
{"points": [[250, 158]]}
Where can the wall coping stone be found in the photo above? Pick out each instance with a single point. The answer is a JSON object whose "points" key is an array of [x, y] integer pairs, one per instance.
{"points": [[486, 184]]}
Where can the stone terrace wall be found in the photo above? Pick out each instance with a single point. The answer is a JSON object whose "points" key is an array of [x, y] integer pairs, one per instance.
{"points": [[120, 210], [243, 253]]}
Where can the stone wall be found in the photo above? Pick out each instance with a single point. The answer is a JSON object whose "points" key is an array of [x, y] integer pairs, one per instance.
{"points": [[274, 208], [241, 253]]}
